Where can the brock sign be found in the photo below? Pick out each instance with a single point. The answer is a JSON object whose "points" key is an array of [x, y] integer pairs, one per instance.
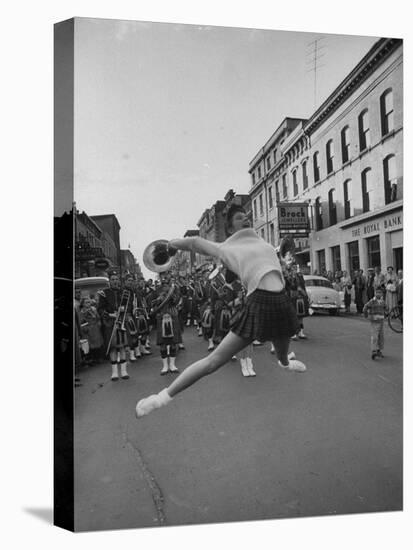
{"points": [[293, 216]]}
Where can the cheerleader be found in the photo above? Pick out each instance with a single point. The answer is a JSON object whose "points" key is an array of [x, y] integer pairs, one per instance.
{"points": [[267, 315]]}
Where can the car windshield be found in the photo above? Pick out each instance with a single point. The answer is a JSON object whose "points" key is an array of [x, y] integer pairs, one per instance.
{"points": [[318, 282]]}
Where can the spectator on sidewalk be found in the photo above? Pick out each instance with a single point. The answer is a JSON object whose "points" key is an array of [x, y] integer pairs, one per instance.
{"points": [[391, 288], [379, 280], [346, 287], [370, 284], [359, 286], [400, 287]]}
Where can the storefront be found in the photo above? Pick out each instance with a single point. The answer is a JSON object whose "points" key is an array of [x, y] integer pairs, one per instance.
{"points": [[374, 240]]}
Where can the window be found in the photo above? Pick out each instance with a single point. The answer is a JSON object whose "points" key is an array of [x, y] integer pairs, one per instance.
{"points": [[348, 206], [336, 258], [318, 215], [261, 205], [366, 188], [323, 283], [353, 256], [345, 144], [259, 172], [270, 198], [253, 178], [373, 251], [316, 167], [330, 155], [284, 178], [364, 130], [386, 112], [332, 208], [275, 155], [321, 257], [390, 180], [268, 163], [255, 208], [277, 192], [295, 185], [272, 234], [305, 176]]}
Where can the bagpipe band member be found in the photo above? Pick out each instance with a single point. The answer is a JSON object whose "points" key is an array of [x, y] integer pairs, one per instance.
{"points": [[295, 288], [131, 332], [141, 316], [267, 315], [168, 329], [109, 309], [207, 322]]}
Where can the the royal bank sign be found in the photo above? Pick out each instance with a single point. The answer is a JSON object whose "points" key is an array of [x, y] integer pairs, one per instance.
{"points": [[293, 219]]}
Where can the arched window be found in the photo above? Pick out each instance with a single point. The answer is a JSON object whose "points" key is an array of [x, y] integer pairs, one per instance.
{"points": [[386, 112], [330, 156], [318, 214], [366, 189], [305, 176], [332, 208], [284, 181], [364, 130], [348, 199], [390, 179], [295, 184], [316, 167], [345, 144]]}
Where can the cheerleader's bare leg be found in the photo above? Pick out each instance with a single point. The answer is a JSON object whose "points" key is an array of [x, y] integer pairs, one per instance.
{"points": [[229, 346]]}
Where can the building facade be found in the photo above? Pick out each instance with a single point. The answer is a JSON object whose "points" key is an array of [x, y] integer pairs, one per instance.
{"points": [[346, 163], [268, 183]]}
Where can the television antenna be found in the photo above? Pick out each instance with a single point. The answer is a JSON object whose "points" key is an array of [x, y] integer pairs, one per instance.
{"points": [[317, 52]]}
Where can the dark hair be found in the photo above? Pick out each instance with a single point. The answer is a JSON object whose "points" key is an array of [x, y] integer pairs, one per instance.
{"points": [[232, 210]]}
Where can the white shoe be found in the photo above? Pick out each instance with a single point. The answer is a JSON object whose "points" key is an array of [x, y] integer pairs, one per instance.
{"points": [[244, 369], [200, 331], [302, 335], [147, 405], [123, 371], [211, 345], [295, 337], [257, 343], [294, 365], [188, 323], [145, 351], [181, 346], [165, 367], [115, 373], [234, 358], [137, 353], [291, 355], [272, 350], [132, 355], [250, 367], [172, 366]]}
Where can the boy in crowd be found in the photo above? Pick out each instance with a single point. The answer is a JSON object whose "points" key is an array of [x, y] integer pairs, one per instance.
{"points": [[375, 310]]}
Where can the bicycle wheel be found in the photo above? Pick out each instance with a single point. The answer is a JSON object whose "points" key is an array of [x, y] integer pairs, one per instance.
{"points": [[395, 319]]}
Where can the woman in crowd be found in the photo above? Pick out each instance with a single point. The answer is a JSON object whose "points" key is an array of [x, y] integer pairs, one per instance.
{"points": [[391, 288]]}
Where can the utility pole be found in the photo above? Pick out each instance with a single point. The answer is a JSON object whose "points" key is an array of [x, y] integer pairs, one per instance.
{"points": [[316, 52]]}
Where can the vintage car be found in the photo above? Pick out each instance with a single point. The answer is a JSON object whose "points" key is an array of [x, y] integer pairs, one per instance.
{"points": [[322, 296], [90, 285]]}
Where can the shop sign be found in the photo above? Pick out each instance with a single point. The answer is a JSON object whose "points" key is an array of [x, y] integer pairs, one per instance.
{"points": [[293, 217], [390, 223]]}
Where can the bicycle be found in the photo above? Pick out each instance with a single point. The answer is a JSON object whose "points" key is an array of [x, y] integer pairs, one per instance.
{"points": [[395, 319]]}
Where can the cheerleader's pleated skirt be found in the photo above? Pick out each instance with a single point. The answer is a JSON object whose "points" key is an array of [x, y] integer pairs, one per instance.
{"points": [[266, 316]]}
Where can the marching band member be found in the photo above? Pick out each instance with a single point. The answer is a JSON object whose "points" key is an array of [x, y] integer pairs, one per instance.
{"points": [[109, 307], [131, 332], [267, 315], [208, 322], [168, 330], [142, 320]]}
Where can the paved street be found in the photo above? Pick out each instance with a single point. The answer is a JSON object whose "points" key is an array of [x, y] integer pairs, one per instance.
{"points": [[283, 444]]}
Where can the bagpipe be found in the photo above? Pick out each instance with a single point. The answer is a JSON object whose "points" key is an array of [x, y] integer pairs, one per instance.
{"points": [[121, 316]]}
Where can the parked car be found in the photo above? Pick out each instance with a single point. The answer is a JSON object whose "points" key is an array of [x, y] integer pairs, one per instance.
{"points": [[322, 296]]}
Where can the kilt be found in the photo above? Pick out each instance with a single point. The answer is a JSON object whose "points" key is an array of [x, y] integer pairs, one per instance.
{"points": [[266, 316], [119, 339]]}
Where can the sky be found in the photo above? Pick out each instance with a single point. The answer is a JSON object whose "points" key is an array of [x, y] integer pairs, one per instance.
{"points": [[167, 117]]}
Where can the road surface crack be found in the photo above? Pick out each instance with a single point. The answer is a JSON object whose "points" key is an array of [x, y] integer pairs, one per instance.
{"points": [[154, 488]]}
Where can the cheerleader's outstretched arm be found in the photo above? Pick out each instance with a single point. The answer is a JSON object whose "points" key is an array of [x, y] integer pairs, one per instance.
{"points": [[197, 244]]}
